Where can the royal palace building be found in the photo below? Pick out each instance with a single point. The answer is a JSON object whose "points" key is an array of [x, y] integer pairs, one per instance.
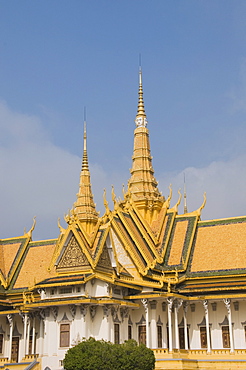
{"points": [[143, 271]]}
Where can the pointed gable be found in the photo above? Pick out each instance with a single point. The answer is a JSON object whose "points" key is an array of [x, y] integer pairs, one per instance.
{"points": [[72, 256], [11, 251], [104, 260], [8, 252]]}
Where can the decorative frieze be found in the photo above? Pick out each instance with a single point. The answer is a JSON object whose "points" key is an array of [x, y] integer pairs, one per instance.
{"points": [[83, 310], [72, 309], [153, 304], [54, 312], [214, 306], [93, 310], [106, 311], [164, 306], [193, 307], [124, 312]]}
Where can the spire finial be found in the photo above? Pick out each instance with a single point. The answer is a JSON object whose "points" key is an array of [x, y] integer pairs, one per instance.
{"points": [[141, 120], [185, 200], [84, 127], [85, 165]]}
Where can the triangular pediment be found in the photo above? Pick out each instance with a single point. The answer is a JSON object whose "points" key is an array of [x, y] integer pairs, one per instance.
{"points": [[11, 253], [72, 255], [104, 260]]}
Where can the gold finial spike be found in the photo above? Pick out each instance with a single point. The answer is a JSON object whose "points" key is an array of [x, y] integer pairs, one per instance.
{"points": [[85, 165], [141, 120], [185, 197]]}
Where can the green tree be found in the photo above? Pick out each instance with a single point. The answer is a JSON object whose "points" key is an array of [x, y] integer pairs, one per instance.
{"points": [[91, 354]]}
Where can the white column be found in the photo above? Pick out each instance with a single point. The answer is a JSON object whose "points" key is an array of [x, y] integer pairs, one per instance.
{"points": [[205, 305], [177, 305], [185, 309], [153, 324], [83, 310], [25, 330], [146, 308], [169, 317], [33, 333], [228, 306], [106, 318], [28, 335], [41, 333], [124, 314], [10, 320]]}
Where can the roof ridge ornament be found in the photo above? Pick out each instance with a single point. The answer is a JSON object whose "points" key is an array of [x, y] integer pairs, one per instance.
{"points": [[178, 202], [29, 233]]}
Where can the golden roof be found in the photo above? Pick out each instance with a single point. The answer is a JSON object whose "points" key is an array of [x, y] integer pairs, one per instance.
{"points": [[220, 247], [142, 242]]}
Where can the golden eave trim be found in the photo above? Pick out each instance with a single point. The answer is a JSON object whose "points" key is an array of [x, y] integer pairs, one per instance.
{"points": [[215, 277], [144, 255], [9, 312], [132, 254], [146, 232], [102, 244]]}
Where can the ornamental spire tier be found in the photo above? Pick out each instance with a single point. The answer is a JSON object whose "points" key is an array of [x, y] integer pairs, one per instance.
{"points": [[84, 207], [142, 185]]}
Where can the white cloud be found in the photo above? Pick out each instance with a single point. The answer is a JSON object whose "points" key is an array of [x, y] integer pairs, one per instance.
{"points": [[37, 178], [224, 184]]}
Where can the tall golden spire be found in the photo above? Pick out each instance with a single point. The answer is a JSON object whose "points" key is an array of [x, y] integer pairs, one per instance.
{"points": [[84, 207], [142, 184]]}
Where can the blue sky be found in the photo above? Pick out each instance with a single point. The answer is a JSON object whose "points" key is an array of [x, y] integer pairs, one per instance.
{"points": [[58, 56]]}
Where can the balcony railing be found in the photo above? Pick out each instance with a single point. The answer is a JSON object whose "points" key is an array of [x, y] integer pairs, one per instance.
{"points": [[199, 353]]}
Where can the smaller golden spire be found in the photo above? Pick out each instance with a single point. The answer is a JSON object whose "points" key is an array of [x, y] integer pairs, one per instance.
{"points": [[84, 207]]}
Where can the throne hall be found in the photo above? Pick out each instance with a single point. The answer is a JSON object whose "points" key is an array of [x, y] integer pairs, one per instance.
{"points": [[143, 271]]}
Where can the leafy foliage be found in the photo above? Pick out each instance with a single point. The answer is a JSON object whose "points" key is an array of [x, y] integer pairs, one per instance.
{"points": [[91, 354]]}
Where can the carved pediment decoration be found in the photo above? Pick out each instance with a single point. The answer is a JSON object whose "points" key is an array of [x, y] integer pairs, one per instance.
{"points": [[104, 260], [73, 255]]}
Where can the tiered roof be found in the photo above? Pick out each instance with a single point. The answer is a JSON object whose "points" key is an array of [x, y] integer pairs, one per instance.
{"points": [[141, 243]]}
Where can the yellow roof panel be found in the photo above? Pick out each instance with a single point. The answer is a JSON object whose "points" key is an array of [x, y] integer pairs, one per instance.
{"points": [[34, 268], [220, 247], [178, 243]]}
